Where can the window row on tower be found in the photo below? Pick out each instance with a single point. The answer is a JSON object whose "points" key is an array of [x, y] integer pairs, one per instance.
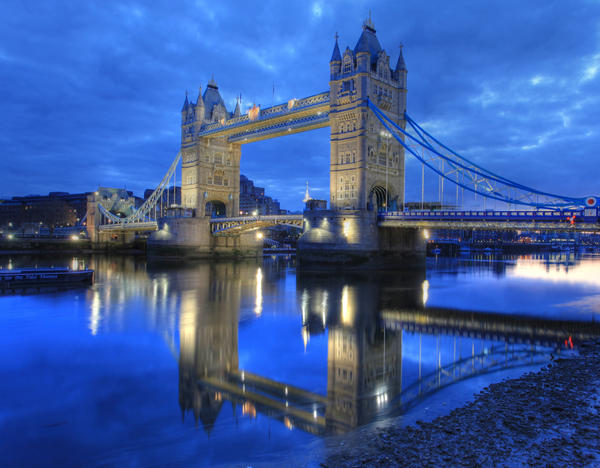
{"points": [[347, 158]]}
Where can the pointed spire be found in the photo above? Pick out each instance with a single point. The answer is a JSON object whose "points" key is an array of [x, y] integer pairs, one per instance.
{"points": [[400, 66], [237, 112], [336, 56], [307, 196], [199, 101], [186, 103]]}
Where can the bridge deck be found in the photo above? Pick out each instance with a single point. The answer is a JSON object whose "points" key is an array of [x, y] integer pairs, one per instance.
{"points": [[579, 220], [230, 226], [490, 325], [138, 226]]}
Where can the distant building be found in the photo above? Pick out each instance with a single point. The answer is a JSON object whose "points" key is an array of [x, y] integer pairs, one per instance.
{"points": [[253, 200], [29, 213], [428, 205], [171, 197], [313, 204]]}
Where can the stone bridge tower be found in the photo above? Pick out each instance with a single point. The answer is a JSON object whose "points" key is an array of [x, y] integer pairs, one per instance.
{"points": [[210, 166], [367, 164]]}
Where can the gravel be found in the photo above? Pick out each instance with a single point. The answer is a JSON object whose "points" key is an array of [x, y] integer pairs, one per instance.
{"points": [[545, 418]]}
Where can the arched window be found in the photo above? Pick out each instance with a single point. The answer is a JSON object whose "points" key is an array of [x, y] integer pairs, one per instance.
{"points": [[218, 177], [347, 63]]}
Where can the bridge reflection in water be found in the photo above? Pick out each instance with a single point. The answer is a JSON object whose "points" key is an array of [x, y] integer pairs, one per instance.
{"points": [[365, 319]]}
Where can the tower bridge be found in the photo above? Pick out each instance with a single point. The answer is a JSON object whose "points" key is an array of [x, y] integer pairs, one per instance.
{"points": [[371, 132]]}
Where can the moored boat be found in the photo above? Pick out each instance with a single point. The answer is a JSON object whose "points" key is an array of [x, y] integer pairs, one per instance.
{"points": [[43, 276]]}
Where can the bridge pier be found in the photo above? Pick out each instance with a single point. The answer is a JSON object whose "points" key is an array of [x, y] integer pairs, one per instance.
{"points": [[191, 238], [353, 239]]}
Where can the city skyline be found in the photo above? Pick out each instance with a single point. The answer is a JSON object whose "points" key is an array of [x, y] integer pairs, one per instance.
{"points": [[96, 91]]}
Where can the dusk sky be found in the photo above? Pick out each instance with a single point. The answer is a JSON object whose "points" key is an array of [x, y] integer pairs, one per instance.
{"points": [[91, 92]]}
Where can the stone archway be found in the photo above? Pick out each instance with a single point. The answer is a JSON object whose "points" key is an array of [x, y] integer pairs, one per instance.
{"points": [[379, 198], [215, 209]]}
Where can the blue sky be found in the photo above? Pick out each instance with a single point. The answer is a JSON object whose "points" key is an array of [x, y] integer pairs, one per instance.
{"points": [[91, 92]]}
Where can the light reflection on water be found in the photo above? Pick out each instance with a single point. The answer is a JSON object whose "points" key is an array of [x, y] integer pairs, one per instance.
{"points": [[260, 357]]}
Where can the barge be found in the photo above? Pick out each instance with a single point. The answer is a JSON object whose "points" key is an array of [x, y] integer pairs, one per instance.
{"points": [[44, 276]]}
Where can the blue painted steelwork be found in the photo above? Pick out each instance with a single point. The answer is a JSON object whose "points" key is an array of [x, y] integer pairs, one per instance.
{"points": [[267, 114], [142, 217], [295, 123], [470, 176], [587, 215], [225, 225]]}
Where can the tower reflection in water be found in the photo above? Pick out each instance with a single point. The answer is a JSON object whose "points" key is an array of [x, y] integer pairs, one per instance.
{"points": [[364, 317], [381, 348]]}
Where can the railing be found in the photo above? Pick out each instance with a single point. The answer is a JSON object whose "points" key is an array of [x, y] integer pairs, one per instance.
{"points": [[218, 225], [268, 113], [133, 226], [588, 215], [265, 130]]}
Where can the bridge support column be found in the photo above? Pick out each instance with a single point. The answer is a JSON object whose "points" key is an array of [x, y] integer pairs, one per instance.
{"points": [[352, 238], [114, 238], [191, 238], [93, 218]]}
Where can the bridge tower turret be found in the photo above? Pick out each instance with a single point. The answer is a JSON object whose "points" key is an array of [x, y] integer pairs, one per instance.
{"points": [[199, 111], [367, 165], [210, 165], [336, 59]]}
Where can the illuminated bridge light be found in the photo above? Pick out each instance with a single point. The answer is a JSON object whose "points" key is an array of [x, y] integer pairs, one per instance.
{"points": [[425, 287], [347, 306], [259, 296], [304, 306], [95, 313], [347, 228]]}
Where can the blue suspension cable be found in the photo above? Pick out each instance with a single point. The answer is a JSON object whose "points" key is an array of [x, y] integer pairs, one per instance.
{"points": [[512, 183], [568, 201], [496, 196]]}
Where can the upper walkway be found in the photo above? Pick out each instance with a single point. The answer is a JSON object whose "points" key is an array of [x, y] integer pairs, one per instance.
{"points": [[297, 115]]}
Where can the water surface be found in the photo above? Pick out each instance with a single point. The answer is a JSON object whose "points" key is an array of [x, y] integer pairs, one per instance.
{"points": [[240, 363]]}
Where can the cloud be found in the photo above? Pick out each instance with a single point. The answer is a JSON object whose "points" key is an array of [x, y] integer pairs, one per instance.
{"points": [[97, 85]]}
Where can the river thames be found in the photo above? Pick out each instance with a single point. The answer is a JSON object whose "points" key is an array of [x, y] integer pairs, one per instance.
{"points": [[246, 363]]}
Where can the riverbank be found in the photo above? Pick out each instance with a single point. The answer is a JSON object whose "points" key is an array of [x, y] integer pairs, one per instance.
{"points": [[550, 417], [42, 246]]}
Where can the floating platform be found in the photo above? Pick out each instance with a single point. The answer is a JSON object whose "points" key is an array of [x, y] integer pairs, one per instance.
{"points": [[44, 276]]}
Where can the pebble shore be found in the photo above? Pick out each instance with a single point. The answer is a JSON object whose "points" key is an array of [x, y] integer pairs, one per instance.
{"points": [[545, 418]]}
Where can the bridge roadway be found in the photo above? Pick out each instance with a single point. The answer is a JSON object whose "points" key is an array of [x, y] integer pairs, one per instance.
{"points": [[316, 414], [132, 226], [231, 226], [564, 220], [489, 325], [293, 406], [584, 220]]}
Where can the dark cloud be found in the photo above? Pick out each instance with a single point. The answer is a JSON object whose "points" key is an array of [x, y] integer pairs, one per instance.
{"points": [[91, 91]]}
